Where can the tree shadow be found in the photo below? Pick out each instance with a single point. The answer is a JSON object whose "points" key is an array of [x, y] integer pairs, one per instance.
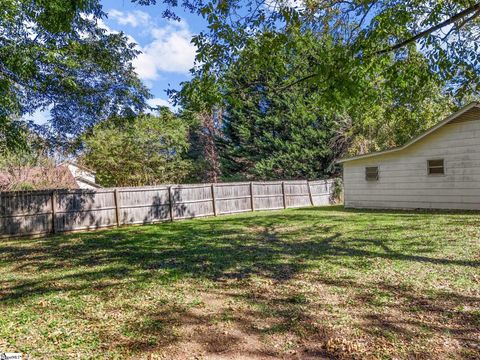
{"points": [[207, 249], [234, 252], [15, 205]]}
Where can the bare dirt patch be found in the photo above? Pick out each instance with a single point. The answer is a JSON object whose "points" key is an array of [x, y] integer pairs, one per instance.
{"points": [[297, 284]]}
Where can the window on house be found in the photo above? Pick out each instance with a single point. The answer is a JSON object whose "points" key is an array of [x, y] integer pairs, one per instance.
{"points": [[371, 173], [436, 167]]}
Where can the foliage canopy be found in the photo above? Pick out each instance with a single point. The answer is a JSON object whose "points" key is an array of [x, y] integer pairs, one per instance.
{"points": [[147, 150], [299, 132], [56, 55], [281, 87]]}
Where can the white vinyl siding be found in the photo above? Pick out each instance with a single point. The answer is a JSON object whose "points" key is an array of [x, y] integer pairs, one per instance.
{"points": [[405, 181]]}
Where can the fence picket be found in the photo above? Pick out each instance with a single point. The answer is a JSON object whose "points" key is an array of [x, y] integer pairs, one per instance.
{"points": [[54, 212], [58, 211]]}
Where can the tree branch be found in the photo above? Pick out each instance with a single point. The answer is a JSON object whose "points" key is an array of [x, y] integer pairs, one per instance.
{"points": [[360, 23], [305, 78], [472, 9]]}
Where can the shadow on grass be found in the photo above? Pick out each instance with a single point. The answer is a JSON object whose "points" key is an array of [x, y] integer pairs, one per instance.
{"points": [[228, 247], [279, 247]]}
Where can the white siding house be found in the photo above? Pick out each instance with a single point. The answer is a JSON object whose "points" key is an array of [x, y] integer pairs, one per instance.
{"points": [[84, 177], [440, 169]]}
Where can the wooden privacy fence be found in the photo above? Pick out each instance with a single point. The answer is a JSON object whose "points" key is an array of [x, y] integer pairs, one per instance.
{"points": [[58, 211]]}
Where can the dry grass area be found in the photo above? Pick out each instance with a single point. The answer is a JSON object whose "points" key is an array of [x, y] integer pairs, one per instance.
{"points": [[296, 284]]}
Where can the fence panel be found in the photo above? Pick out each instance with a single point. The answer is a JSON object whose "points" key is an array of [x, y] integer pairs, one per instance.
{"points": [[84, 210], [143, 206], [297, 194], [25, 213], [191, 201], [268, 195], [322, 192], [233, 198], [43, 212]]}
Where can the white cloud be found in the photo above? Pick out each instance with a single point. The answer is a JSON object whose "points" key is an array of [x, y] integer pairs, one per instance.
{"points": [[159, 102], [169, 51], [277, 5], [100, 23], [131, 18]]}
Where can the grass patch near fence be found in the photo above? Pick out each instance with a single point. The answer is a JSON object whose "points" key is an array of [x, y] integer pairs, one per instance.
{"points": [[299, 283]]}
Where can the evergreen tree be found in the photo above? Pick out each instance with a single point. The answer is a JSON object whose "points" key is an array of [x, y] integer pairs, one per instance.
{"points": [[298, 132]]}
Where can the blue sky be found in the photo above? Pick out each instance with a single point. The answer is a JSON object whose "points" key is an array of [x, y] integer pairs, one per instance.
{"points": [[167, 53]]}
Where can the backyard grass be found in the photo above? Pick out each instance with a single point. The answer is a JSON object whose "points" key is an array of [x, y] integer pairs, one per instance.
{"points": [[296, 284]]}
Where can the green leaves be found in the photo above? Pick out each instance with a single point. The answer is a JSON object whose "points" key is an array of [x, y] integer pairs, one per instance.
{"points": [[147, 150], [53, 55], [446, 32], [294, 101]]}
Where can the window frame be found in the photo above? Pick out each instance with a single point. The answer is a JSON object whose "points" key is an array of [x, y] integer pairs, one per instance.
{"points": [[435, 167], [366, 173]]}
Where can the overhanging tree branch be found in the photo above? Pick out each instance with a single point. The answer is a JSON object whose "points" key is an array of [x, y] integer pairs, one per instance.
{"points": [[472, 9], [305, 78]]}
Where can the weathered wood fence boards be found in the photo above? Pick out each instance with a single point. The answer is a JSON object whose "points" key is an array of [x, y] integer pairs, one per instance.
{"points": [[44, 212]]}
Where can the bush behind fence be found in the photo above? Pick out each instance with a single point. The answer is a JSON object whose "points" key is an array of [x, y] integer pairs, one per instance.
{"points": [[59, 211]]}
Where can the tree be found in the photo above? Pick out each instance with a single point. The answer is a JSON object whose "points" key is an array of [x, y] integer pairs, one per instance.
{"points": [[147, 150], [382, 72], [50, 51], [270, 135], [16, 168], [32, 167], [353, 106], [55, 55], [200, 102], [446, 32]]}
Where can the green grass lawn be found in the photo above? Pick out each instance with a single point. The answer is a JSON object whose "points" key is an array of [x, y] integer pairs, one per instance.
{"points": [[301, 283]]}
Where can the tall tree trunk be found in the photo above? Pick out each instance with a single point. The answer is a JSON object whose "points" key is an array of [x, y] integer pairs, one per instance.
{"points": [[210, 124]]}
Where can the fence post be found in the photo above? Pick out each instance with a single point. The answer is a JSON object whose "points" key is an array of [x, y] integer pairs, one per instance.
{"points": [[170, 202], [251, 197], [214, 202], [310, 193], [284, 195], [117, 206], [54, 212]]}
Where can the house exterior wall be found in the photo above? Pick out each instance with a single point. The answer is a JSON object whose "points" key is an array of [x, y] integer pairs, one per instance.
{"points": [[79, 172], [85, 179], [404, 182]]}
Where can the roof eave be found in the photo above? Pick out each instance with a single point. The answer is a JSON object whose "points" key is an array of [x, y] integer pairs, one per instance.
{"points": [[416, 139], [81, 167], [86, 181]]}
